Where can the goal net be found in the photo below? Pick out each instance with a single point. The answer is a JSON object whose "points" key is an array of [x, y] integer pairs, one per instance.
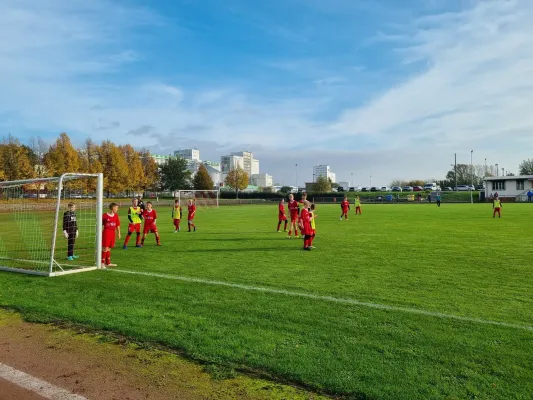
{"points": [[51, 226], [206, 198]]}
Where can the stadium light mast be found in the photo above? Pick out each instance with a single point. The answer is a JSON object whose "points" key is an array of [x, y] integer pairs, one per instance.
{"points": [[471, 175], [497, 168], [485, 166], [351, 181], [296, 177]]}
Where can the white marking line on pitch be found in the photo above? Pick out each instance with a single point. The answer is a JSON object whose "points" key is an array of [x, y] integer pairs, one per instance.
{"points": [[42, 388], [332, 299]]}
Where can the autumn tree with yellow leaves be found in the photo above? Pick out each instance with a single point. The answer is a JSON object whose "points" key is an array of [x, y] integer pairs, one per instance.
{"points": [[62, 157]]}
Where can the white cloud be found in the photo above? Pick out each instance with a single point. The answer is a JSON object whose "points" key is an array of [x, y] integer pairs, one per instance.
{"points": [[472, 90]]}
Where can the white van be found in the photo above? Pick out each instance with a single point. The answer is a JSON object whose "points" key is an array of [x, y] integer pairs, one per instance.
{"points": [[430, 186]]}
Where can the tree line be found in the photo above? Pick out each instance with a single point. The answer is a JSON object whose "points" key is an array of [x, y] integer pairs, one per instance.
{"points": [[125, 168]]}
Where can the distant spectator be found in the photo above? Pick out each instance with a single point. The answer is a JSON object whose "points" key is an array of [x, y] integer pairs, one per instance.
{"points": [[529, 196]]}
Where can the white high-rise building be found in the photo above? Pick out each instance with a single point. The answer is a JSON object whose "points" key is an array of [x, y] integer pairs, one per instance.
{"points": [[261, 180], [188, 154], [323, 170], [250, 165], [227, 163]]}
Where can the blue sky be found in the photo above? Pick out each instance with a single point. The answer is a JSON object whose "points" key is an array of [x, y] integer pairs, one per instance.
{"points": [[384, 88]]}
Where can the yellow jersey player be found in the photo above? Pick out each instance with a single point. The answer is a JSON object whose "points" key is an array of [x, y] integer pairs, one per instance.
{"points": [[135, 219], [176, 215]]}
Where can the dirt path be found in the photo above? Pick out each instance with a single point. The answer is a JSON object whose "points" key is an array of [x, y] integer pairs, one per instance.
{"points": [[91, 366]]}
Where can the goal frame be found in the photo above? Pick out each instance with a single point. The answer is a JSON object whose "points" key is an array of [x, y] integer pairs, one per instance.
{"points": [[194, 191], [99, 212]]}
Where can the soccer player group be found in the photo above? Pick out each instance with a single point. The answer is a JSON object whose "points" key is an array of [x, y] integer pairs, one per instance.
{"points": [[304, 219], [137, 213]]}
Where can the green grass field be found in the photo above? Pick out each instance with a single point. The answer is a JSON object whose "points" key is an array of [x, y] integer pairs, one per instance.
{"points": [[405, 302]]}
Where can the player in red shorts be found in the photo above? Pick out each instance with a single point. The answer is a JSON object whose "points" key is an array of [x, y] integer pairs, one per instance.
{"points": [[150, 217], [111, 225], [176, 215], [281, 215], [135, 219], [191, 210], [345, 206], [305, 226], [293, 211], [301, 203]]}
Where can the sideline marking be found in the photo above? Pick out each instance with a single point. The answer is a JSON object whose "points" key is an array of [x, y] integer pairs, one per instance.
{"points": [[332, 299], [42, 388]]}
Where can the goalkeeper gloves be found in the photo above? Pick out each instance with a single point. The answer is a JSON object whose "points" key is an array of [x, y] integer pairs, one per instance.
{"points": [[65, 233]]}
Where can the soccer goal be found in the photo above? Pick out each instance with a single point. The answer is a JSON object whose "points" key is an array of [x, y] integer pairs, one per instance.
{"points": [[51, 226], [201, 197]]}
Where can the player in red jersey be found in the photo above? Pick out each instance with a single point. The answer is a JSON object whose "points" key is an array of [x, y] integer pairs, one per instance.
{"points": [[305, 226], [281, 215], [191, 210], [345, 206], [111, 225], [150, 217], [293, 211]]}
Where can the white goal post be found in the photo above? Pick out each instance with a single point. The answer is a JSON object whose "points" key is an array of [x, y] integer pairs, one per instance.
{"points": [[201, 197], [51, 226]]}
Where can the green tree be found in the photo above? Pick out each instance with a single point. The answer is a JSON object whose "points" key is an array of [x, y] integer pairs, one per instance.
{"points": [[526, 167], [114, 167], [202, 180], [322, 185], [175, 174], [237, 179], [285, 189], [61, 157]]}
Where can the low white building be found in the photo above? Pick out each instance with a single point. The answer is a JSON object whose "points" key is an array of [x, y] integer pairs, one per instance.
{"points": [[261, 180], [509, 186]]}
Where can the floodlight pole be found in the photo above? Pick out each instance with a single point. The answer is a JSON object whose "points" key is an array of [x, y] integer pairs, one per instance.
{"points": [[471, 175]]}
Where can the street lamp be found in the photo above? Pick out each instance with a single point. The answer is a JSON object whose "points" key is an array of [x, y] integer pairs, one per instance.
{"points": [[497, 170], [351, 181], [370, 180], [296, 177], [471, 175], [485, 167]]}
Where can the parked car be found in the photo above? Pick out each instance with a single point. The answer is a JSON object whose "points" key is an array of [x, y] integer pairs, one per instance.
{"points": [[396, 189], [352, 189], [448, 189], [418, 189], [430, 186], [333, 189], [407, 188], [385, 189], [365, 189], [480, 187], [340, 189], [374, 189], [464, 188]]}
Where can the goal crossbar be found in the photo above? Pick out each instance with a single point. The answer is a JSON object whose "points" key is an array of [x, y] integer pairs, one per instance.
{"points": [[200, 195]]}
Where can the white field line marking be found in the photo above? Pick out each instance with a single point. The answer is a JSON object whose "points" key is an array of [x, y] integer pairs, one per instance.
{"points": [[42, 388], [332, 299]]}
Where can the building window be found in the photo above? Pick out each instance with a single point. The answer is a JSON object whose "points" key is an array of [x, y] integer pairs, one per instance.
{"points": [[498, 185], [519, 185]]}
